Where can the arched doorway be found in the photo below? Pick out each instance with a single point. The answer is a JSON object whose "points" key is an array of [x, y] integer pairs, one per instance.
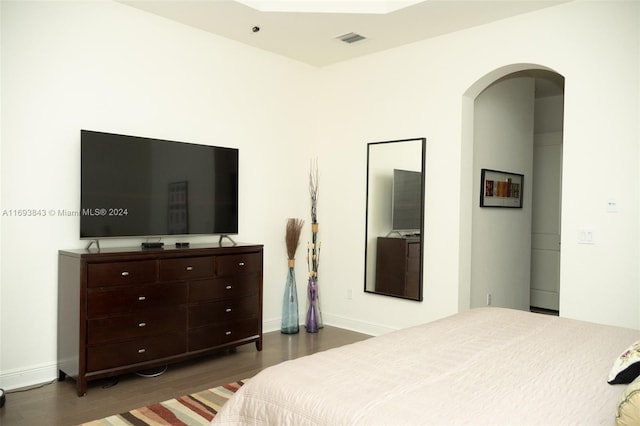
{"points": [[510, 123]]}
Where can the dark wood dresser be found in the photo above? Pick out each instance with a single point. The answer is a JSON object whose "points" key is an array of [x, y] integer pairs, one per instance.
{"points": [[131, 309], [398, 266]]}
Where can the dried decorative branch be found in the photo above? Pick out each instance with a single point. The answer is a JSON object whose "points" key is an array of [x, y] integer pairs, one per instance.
{"points": [[292, 236], [313, 259], [313, 190]]}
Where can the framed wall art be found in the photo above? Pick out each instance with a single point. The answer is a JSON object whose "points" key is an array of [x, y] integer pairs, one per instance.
{"points": [[501, 189]]}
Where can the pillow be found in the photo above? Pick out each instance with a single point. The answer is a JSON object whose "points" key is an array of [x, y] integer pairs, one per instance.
{"points": [[627, 366], [628, 412]]}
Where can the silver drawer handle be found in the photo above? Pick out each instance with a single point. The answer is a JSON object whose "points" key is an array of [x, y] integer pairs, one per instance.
{"points": [[189, 268], [228, 310], [124, 273], [228, 333], [240, 263], [228, 287], [141, 351], [142, 324], [142, 298]]}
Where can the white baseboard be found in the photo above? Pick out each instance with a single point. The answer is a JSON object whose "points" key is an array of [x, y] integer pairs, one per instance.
{"points": [[271, 325], [18, 379], [365, 327], [347, 323]]}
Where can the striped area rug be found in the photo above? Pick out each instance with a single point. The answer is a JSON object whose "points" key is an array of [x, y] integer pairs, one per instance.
{"points": [[196, 409]]}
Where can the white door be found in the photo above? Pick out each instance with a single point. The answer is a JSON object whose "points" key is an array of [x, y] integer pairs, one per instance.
{"points": [[545, 227]]}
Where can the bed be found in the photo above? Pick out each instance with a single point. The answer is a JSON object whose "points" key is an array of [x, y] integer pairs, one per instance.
{"points": [[483, 366]]}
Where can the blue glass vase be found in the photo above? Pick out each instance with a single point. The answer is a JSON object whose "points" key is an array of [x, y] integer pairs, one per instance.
{"points": [[290, 317]]}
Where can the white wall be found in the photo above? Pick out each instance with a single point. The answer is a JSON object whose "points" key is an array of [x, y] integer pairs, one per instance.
{"points": [[427, 89], [104, 66]]}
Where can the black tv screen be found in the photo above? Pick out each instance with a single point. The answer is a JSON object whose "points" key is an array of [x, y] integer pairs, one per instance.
{"points": [[138, 187], [406, 214]]}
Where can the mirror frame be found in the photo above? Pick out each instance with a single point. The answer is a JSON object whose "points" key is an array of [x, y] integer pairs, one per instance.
{"points": [[368, 250]]}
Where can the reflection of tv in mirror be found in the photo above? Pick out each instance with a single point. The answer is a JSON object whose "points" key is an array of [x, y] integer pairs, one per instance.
{"points": [[406, 201]]}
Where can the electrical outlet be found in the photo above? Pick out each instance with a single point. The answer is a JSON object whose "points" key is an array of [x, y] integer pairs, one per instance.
{"points": [[349, 294], [488, 299]]}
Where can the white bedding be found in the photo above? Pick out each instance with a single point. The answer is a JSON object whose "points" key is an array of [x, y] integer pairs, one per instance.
{"points": [[484, 366]]}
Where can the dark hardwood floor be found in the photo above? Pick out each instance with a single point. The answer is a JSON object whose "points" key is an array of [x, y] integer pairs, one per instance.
{"points": [[58, 404]]}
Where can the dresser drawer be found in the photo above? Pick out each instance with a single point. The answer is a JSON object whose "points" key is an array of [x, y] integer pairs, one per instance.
{"points": [[216, 335], [224, 288], [103, 302], [186, 268], [112, 355], [233, 264], [121, 273], [139, 324], [223, 311]]}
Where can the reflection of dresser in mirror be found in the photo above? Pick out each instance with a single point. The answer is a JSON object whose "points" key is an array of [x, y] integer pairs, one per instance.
{"points": [[398, 266]]}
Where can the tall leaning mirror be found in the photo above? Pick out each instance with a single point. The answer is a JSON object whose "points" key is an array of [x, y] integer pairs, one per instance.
{"points": [[395, 218]]}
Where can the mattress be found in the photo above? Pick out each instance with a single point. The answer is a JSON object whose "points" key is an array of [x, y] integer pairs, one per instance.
{"points": [[483, 366]]}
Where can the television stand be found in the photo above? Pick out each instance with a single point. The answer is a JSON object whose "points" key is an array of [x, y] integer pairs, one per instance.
{"points": [[228, 237], [126, 310]]}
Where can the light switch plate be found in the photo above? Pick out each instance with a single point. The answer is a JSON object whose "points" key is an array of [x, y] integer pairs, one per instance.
{"points": [[586, 236]]}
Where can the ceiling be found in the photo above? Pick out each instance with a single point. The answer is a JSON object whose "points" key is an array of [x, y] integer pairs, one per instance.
{"points": [[312, 37]]}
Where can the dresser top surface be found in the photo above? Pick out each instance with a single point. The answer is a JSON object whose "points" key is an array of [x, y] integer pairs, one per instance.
{"points": [[167, 250]]}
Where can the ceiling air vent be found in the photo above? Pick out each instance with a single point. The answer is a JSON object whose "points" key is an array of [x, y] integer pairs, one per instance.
{"points": [[351, 37]]}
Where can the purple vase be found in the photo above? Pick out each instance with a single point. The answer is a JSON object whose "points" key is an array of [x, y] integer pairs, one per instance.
{"points": [[312, 323]]}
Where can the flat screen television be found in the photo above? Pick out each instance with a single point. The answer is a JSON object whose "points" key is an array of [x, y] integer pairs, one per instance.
{"points": [[142, 187], [406, 210]]}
